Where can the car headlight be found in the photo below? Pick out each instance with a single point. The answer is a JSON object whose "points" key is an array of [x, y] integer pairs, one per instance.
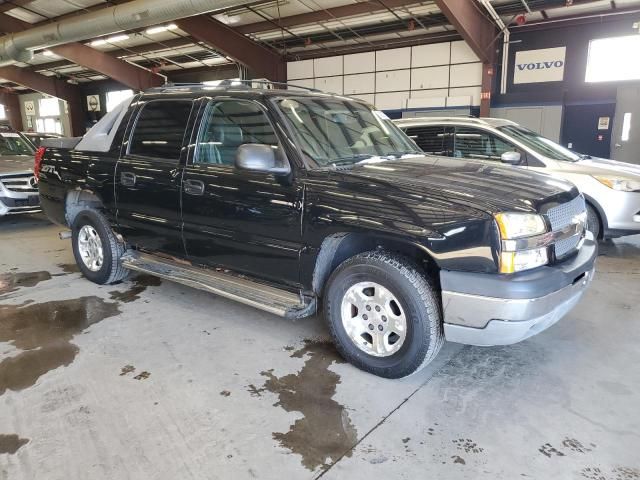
{"points": [[511, 262], [619, 183], [520, 225]]}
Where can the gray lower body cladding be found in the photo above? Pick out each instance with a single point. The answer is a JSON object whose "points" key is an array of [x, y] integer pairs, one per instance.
{"points": [[485, 309]]}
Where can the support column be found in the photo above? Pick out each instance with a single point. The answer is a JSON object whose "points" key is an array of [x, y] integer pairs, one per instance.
{"points": [[488, 74], [11, 104]]}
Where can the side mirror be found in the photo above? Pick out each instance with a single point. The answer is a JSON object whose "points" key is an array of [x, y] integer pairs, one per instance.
{"points": [[256, 157], [512, 158]]}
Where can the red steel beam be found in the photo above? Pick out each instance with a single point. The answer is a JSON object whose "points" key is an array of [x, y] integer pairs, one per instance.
{"points": [[324, 15], [50, 86], [260, 60], [134, 77], [469, 21]]}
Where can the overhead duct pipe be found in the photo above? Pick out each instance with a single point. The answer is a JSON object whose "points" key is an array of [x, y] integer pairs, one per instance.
{"points": [[19, 47]]}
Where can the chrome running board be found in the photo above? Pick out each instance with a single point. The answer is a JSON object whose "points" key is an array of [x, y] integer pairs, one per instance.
{"points": [[223, 283]]}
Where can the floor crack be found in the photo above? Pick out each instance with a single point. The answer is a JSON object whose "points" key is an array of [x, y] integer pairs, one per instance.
{"points": [[397, 407]]}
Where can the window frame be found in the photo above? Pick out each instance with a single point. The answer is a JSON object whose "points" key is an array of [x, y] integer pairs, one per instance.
{"points": [[203, 116], [134, 124]]}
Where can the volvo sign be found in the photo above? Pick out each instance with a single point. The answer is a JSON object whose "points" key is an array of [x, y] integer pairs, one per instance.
{"points": [[535, 66]]}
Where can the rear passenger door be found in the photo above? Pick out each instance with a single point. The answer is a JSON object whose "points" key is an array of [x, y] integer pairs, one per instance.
{"points": [[246, 221], [148, 175], [433, 139]]}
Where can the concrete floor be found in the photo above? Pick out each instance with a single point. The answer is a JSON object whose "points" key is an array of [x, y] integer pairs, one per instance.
{"points": [[152, 380]]}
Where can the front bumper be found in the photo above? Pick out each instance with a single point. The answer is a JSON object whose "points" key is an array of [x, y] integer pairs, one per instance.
{"points": [[491, 309], [14, 202]]}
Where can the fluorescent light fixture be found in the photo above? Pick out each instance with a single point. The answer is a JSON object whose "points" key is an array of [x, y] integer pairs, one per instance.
{"points": [[160, 29], [626, 127], [48, 53], [114, 39]]}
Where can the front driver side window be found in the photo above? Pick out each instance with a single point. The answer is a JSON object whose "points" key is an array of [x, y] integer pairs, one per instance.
{"points": [[479, 145], [228, 125]]}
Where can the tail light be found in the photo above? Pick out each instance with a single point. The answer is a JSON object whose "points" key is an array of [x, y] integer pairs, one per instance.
{"points": [[38, 161]]}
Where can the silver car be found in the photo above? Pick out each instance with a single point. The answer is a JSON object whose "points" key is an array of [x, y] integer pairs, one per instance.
{"points": [[612, 189], [18, 186]]}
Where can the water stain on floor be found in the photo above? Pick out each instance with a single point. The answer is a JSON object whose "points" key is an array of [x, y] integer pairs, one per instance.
{"points": [[10, 282], [43, 332], [138, 285], [325, 433], [11, 443], [69, 267]]}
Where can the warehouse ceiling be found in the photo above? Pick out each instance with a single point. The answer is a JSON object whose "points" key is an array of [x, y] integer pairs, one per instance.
{"points": [[292, 28]]}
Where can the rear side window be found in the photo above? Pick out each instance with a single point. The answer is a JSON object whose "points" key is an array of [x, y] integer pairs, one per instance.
{"points": [[160, 128], [480, 145], [433, 139]]}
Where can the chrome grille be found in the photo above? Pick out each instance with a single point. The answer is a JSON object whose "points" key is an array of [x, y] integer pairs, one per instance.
{"points": [[563, 216], [24, 184]]}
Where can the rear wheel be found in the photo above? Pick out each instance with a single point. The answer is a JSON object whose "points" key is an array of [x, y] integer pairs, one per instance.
{"points": [[593, 222], [96, 249], [383, 314]]}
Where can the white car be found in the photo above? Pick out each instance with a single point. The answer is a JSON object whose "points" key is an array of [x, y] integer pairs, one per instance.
{"points": [[612, 189]]}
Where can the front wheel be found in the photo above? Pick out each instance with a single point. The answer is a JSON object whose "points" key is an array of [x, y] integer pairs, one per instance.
{"points": [[96, 248], [593, 222], [383, 314]]}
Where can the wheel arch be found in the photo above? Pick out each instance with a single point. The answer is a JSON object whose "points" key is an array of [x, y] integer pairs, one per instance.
{"points": [[604, 224], [338, 247], [79, 200]]}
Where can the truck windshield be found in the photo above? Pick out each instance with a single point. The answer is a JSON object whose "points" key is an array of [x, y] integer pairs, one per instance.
{"points": [[341, 132], [540, 144], [13, 144]]}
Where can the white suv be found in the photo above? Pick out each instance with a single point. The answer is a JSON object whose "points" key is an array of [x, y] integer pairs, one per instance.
{"points": [[612, 189]]}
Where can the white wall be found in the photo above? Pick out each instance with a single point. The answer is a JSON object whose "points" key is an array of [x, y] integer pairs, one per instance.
{"points": [[425, 76], [546, 120]]}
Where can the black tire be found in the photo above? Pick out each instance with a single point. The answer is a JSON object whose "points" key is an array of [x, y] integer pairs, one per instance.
{"points": [[111, 270], [418, 300], [593, 222]]}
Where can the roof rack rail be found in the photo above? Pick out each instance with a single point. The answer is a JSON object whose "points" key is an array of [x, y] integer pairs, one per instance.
{"points": [[236, 83]]}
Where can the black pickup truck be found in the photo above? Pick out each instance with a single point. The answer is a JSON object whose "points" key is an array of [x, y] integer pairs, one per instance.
{"points": [[298, 201]]}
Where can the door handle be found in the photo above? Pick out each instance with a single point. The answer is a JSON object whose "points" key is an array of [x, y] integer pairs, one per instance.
{"points": [[193, 187], [617, 145], [128, 179]]}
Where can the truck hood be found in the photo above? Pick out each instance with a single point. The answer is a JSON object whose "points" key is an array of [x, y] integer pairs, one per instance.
{"points": [[480, 185], [16, 164], [602, 166]]}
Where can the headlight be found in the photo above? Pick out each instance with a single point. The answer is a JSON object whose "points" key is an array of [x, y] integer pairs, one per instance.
{"points": [[618, 183], [511, 262], [518, 225]]}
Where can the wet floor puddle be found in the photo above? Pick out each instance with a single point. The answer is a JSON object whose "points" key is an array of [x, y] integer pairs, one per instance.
{"points": [[11, 443], [42, 332], [138, 285], [69, 268], [325, 433], [10, 282]]}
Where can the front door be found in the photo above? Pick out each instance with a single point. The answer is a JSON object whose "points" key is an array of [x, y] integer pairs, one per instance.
{"points": [[626, 126], [148, 176], [249, 222], [587, 128]]}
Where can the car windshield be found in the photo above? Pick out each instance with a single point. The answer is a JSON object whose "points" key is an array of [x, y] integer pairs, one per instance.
{"points": [[12, 143], [335, 131], [540, 144]]}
